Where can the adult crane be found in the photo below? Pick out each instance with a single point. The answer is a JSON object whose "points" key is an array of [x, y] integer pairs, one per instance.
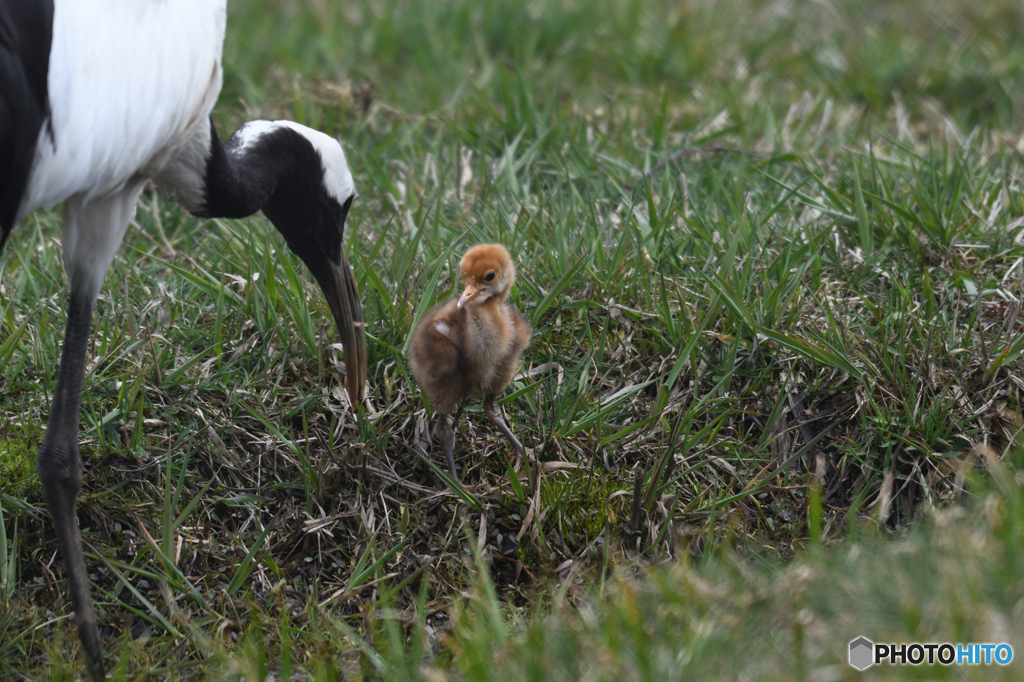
{"points": [[96, 98]]}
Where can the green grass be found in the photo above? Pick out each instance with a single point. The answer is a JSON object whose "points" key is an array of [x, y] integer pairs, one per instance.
{"points": [[772, 255], [956, 579]]}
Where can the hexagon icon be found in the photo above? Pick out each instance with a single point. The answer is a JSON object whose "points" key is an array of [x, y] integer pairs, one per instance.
{"points": [[862, 653]]}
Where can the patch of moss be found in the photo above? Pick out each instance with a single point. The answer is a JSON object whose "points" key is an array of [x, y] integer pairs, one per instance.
{"points": [[17, 468]]}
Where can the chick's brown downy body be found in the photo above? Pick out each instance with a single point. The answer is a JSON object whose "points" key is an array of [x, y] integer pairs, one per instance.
{"points": [[471, 345]]}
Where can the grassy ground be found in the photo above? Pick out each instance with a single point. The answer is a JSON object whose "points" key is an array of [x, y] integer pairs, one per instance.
{"points": [[772, 255]]}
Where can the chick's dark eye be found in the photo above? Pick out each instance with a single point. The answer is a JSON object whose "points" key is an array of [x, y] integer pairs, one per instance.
{"points": [[489, 277]]}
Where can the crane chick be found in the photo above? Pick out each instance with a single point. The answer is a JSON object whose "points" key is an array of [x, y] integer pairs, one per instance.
{"points": [[471, 346]]}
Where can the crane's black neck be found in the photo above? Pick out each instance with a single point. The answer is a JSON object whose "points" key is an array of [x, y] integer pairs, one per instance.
{"points": [[282, 174]]}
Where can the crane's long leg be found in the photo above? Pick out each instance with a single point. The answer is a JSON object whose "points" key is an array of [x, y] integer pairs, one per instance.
{"points": [[92, 234], [493, 413], [458, 415], [60, 469], [446, 435]]}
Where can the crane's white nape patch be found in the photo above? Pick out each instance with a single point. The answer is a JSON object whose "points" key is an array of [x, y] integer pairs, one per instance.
{"points": [[337, 176], [252, 131], [443, 328]]}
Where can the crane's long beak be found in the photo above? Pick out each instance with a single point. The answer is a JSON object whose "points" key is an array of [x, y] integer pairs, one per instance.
{"points": [[342, 296], [323, 252]]}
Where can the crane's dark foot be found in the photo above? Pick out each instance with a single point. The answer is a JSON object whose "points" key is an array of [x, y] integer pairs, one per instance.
{"points": [[89, 633], [446, 435], [60, 472], [493, 413]]}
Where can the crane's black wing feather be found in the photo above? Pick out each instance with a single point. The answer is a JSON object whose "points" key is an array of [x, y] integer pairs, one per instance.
{"points": [[26, 31]]}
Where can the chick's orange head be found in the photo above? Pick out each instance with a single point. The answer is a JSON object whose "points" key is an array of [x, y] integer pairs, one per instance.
{"points": [[488, 273]]}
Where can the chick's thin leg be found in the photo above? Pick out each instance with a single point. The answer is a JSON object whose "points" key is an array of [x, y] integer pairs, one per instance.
{"points": [[458, 415], [446, 435], [493, 413]]}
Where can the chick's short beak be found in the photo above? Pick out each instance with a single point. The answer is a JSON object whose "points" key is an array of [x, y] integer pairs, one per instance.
{"points": [[468, 295], [339, 287]]}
